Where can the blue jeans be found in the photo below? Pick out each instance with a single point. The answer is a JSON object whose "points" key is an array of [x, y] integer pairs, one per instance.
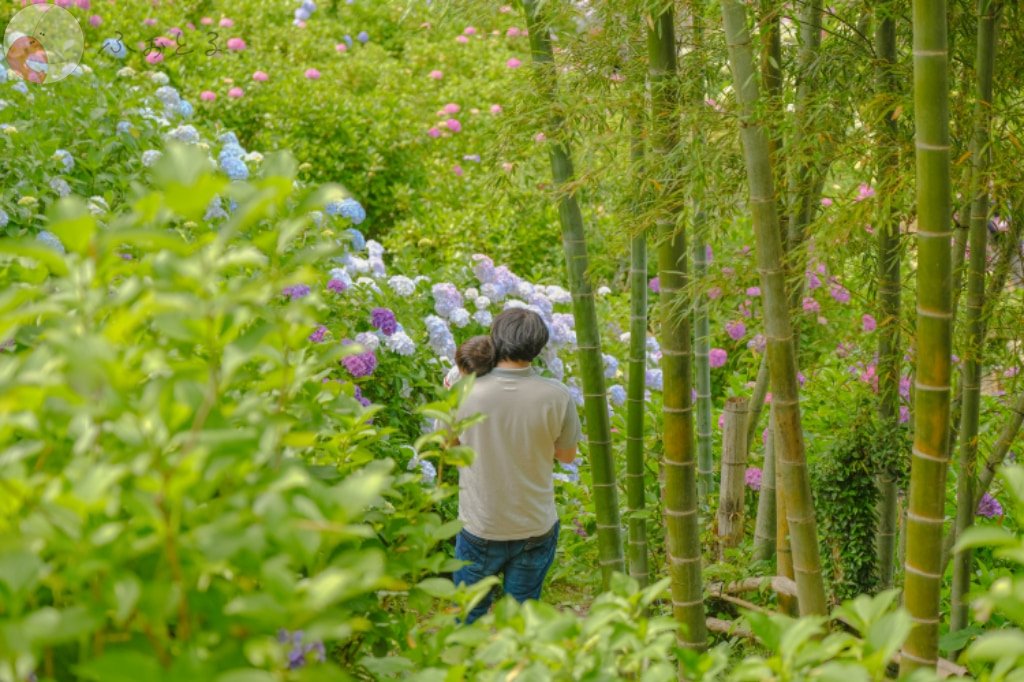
{"points": [[524, 564]]}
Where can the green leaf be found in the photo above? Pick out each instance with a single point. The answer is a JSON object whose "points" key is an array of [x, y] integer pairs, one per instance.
{"points": [[246, 675], [436, 587], [392, 665], [887, 635], [994, 646], [121, 666], [984, 536], [71, 220], [19, 571]]}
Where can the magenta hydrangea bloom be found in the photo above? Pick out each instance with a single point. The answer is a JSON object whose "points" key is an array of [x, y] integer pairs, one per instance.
{"points": [[868, 323], [754, 291], [810, 305], [840, 293], [736, 330], [752, 477], [655, 285], [360, 364], [384, 320], [296, 291], [989, 507], [717, 357]]}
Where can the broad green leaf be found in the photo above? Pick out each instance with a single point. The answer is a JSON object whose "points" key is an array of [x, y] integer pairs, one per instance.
{"points": [[122, 666], [985, 536], [71, 221], [436, 587]]}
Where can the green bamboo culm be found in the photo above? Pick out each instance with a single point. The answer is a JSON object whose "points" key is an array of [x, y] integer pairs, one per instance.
{"points": [[790, 458], [930, 455], [635, 405], [702, 343], [889, 255], [605, 490], [765, 523], [988, 13], [680, 461]]}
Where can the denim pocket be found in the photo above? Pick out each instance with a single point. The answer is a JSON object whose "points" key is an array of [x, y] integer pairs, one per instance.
{"points": [[548, 539], [479, 543]]}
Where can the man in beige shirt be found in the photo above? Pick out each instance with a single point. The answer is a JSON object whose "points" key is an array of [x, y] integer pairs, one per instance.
{"points": [[506, 497]]}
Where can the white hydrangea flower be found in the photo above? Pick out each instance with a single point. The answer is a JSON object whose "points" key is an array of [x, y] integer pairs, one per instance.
{"points": [[459, 317], [150, 157], [624, 337], [377, 267], [400, 343], [367, 283], [374, 248], [558, 295], [471, 293], [368, 339], [158, 77], [603, 291], [60, 186], [342, 275], [482, 302], [401, 285], [483, 317], [359, 265]]}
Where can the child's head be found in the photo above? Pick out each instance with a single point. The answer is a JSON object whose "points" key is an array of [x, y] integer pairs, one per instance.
{"points": [[476, 356]]}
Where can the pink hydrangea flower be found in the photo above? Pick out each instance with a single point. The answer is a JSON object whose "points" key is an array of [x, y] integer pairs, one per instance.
{"points": [[840, 293], [236, 92], [206, 21], [736, 330], [715, 293], [226, 23], [436, 75], [655, 285], [752, 477], [540, 137], [154, 57], [495, 109], [513, 32], [457, 169], [868, 323], [826, 202], [341, 47], [513, 63], [149, 21], [260, 76], [451, 108], [434, 132], [95, 20], [864, 191], [453, 125], [753, 291], [461, 39], [469, 31], [312, 74], [810, 305], [717, 357], [236, 44], [207, 95]]}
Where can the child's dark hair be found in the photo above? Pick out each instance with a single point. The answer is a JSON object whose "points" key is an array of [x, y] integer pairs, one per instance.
{"points": [[476, 355]]}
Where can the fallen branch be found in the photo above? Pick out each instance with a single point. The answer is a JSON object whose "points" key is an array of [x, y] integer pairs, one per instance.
{"points": [[778, 584]]}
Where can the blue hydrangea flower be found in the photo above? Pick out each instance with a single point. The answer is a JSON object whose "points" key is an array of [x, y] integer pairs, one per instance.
{"points": [[115, 48], [65, 158], [229, 138], [186, 133], [348, 39], [401, 285], [60, 186], [169, 96], [400, 343], [185, 109], [50, 239], [611, 365], [215, 210], [617, 395], [3, 218], [358, 240], [349, 208], [427, 470], [235, 168], [363, 37], [309, 6], [124, 127]]}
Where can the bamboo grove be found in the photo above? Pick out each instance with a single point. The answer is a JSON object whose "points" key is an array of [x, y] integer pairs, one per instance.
{"points": [[734, 117]]}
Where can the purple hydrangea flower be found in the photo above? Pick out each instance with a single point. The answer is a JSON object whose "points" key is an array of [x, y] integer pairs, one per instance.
{"points": [[318, 335], [336, 285], [296, 291], [446, 298], [717, 357], [840, 293], [655, 285], [736, 330], [758, 343], [989, 507], [360, 364], [360, 398], [752, 477], [384, 320]]}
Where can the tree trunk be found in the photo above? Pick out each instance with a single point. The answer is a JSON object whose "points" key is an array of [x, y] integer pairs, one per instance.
{"points": [[635, 407], [680, 490], [783, 549], [930, 459], [988, 13], [606, 503], [778, 326], [889, 255], [705, 459], [731, 503]]}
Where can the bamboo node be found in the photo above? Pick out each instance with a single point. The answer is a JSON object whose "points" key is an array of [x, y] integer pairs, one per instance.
{"points": [[917, 571]]}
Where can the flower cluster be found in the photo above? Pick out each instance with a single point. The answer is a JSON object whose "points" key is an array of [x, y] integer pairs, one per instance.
{"points": [[752, 477], [298, 655], [360, 364], [384, 320], [303, 12], [989, 507]]}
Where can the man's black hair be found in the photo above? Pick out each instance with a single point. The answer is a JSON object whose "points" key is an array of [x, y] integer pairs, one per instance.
{"points": [[518, 334]]}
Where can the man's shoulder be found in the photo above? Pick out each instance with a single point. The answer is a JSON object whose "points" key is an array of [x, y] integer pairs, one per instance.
{"points": [[553, 385]]}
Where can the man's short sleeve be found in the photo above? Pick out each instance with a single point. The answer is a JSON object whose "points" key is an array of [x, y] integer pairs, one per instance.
{"points": [[571, 433]]}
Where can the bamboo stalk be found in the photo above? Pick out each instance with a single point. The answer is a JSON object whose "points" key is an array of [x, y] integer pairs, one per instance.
{"points": [[757, 397], [778, 326], [930, 458], [605, 491], [680, 489], [734, 465], [801, 181], [783, 548], [988, 13], [702, 335], [765, 523], [889, 255], [635, 494]]}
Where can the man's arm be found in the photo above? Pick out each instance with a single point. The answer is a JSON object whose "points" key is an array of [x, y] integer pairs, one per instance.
{"points": [[565, 455]]}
